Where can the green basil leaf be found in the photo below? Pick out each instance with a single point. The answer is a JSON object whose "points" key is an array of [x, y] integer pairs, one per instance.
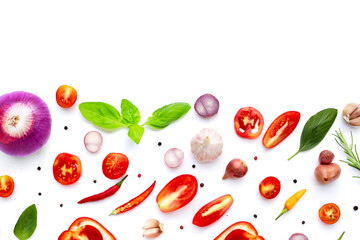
{"points": [[101, 114], [165, 115], [130, 114], [26, 224], [135, 133], [316, 128]]}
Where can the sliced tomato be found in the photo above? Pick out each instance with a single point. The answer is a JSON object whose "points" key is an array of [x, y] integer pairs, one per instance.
{"points": [[281, 128], [329, 213], [212, 211], [67, 168], [248, 123], [177, 193], [7, 186], [115, 165], [66, 96], [240, 231], [269, 187], [86, 228]]}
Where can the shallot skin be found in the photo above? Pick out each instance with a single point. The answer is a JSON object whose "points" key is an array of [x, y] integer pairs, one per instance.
{"points": [[33, 134], [236, 168]]}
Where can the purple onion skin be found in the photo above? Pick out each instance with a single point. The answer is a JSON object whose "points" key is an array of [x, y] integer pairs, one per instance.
{"points": [[298, 236], [36, 136], [206, 105]]}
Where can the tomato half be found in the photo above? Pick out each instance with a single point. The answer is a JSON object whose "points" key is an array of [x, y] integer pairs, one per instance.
{"points": [[66, 96], [281, 128], [212, 211], [177, 193], [7, 186], [67, 168], [248, 123], [270, 187], [115, 165], [86, 228], [329, 213], [240, 231]]}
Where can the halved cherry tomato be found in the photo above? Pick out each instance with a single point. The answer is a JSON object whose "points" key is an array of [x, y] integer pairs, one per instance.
{"points": [[212, 211], [281, 128], [177, 193], [240, 231], [269, 187], [248, 122], [115, 165], [329, 213], [86, 228], [67, 168], [66, 96], [6, 186]]}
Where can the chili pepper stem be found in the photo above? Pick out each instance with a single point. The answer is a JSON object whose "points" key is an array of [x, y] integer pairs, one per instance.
{"points": [[341, 235], [294, 155], [112, 213], [122, 180], [282, 212]]}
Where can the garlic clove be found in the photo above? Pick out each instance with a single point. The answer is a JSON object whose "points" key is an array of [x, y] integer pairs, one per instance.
{"points": [[152, 233], [355, 122], [351, 114], [151, 223], [355, 113]]}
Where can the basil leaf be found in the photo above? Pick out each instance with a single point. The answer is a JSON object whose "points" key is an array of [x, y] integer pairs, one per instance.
{"points": [[101, 114], [130, 114], [167, 114], [26, 224], [316, 128], [135, 133]]}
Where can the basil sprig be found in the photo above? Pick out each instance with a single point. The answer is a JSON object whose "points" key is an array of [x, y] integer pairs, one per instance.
{"points": [[106, 116], [315, 129], [26, 224]]}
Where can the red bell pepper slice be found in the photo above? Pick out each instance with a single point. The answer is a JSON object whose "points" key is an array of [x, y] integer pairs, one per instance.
{"points": [[240, 231]]}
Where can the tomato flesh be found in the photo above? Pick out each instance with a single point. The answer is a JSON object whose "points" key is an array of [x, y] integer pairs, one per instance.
{"points": [[67, 168], [212, 211], [240, 230], [115, 165], [248, 122], [281, 128], [7, 186], [269, 187], [177, 193], [66, 96], [329, 213]]}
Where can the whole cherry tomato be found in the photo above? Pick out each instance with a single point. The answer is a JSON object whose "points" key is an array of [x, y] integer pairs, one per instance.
{"points": [[66, 96], [6, 186], [67, 168], [281, 128], [115, 165], [248, 123], [177, 193], [269, 187], [329, 213]]}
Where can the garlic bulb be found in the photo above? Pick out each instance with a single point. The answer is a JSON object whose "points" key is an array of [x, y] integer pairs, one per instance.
{"points": [[351, 114], [206, 145]]}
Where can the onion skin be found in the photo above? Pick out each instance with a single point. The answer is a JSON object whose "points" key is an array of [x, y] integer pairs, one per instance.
{"points": [[236, 168], [327, 173], [33, 137], [298, 236]]}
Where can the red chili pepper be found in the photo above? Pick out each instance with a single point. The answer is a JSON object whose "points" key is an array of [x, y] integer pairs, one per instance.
{"points": [[134, 202], [111, 191]]}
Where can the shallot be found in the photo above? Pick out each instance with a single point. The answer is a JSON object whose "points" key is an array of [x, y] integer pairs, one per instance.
{"points": [[206, 145], [236, 168], [93, 141], [174, 157], [206, 105], [298, 236]]}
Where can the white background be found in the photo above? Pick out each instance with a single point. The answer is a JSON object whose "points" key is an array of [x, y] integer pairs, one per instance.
{"points": [[272, 55]]}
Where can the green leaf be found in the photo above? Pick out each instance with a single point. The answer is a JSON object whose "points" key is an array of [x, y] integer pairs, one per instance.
{"points": [[316, 128], [101, 114], [26, 224], [135, 133], [130, 114], [165, 115]]}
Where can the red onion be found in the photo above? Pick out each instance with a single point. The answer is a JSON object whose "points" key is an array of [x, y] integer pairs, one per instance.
{"points": [[174, 157], [236, 168], [93, 141], [298, 236], [206, 105], [25, 123]]}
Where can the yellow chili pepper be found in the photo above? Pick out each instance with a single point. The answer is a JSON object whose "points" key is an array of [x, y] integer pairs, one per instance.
{"points": [[290, 203]]}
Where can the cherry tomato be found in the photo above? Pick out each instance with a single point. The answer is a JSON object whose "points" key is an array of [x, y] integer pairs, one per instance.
{"points": [[240, 231], [177, 193], [248, 123], [329, 213], [212, 211], [6, 186], [86, 228], [269, 187], [66, 96], [115, 165], [281, 128], [67, 168]]}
